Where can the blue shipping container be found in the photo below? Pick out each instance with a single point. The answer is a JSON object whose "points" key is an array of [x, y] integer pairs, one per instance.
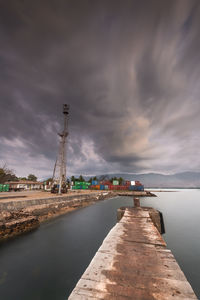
{"points": [[102, 187], [136, 188], [94, 182]]}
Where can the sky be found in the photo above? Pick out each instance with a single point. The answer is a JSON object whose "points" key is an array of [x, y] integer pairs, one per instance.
{"points": [[129, 70]]}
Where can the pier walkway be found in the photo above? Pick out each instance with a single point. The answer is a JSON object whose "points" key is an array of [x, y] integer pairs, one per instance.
{"points": [[133, 263]]}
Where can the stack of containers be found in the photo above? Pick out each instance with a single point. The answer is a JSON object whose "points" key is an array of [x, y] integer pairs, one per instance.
{"points": [[127, 185], [105, 185], [85, 185], [95, 187], [4, 187], [81, 185]]}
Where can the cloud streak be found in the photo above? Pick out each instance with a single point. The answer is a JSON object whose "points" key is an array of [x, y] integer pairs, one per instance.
{"points": [[129, 70]]}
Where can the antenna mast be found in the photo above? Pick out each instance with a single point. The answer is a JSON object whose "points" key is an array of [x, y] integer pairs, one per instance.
{"points": [[60, 165]]}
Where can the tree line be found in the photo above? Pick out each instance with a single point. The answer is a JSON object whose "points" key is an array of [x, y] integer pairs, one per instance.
{"points": [[82, 179], [7, 174]]}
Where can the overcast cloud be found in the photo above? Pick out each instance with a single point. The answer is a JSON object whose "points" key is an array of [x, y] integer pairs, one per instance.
{"points": [[129, 70]]}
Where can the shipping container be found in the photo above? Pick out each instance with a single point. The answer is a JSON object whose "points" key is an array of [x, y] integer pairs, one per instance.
{"points": [[102, 187], [136, 188], [123, 187], [115, 182], [113, 187], [132, 182], [1, 187], [105, 182], [75, 187], [138, 183], [5, 188], [94, 182], [127, 182]]}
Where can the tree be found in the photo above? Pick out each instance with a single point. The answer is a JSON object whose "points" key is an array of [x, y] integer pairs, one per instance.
{"points": [[48, 180], [32, 177], [81, 178], [120, 180], [22, 178], [90, 180], [73, 179], [7, 175]]}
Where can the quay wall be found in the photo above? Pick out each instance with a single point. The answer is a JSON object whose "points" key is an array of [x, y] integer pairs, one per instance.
{"points": [[69, 199]]}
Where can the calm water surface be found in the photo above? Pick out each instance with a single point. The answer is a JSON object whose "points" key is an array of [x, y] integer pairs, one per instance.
{"points": [[47, 263]]}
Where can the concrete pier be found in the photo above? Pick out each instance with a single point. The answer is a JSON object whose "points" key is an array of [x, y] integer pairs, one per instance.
{"points": [[133, 263]]}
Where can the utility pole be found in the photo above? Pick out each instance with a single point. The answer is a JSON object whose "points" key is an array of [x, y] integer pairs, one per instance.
{"points": [[60, 165]]}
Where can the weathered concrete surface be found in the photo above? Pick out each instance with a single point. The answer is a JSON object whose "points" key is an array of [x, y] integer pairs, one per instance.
{"points": [[133, 263], [150, 212]]}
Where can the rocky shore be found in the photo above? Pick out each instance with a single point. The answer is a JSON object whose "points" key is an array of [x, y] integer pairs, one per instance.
{"points": [[16, 223]]}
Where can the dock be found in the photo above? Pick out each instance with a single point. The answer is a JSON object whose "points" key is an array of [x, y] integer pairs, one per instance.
{"points": [[133, 263]]}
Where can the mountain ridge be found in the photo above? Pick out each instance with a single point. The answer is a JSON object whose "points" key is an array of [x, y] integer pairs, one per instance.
{"points": [[186, 179]]}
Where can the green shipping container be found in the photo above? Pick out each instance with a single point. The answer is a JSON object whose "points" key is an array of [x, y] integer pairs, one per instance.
{"points": [[1, 187], [115, 182], [76, 187], [4, 188]]}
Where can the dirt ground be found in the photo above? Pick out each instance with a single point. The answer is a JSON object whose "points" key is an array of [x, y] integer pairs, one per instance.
{"points": [[29, 195]]}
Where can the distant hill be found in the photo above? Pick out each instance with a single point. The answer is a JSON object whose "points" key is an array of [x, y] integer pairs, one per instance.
{"points": [[183, 180]]}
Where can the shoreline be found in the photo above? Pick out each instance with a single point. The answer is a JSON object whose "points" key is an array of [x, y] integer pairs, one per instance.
{"points": [[20, 218], [25, 214]]}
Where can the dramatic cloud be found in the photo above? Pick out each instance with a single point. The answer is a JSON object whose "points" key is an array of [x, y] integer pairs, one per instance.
{"points": [[129, 70]]}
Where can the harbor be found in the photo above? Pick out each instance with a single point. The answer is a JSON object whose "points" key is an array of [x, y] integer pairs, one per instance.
{"points": [[99, 173], [71, 245]]}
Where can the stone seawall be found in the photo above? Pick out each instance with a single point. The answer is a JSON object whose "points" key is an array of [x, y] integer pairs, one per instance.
{"points": [[12, 224], [21, 204]]}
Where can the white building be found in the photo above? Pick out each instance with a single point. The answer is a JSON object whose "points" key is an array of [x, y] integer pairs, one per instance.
{"points": [[25, 185]]}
